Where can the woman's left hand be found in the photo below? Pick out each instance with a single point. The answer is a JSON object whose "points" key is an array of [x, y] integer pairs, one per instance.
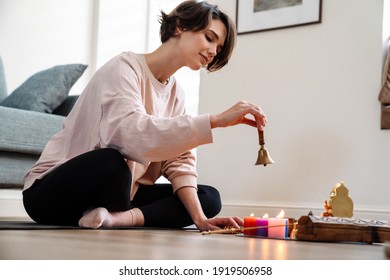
{"points": [[219, 223]]}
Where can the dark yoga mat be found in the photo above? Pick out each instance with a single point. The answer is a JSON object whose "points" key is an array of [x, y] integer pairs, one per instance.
{"points": [[7, 225], [29, 225]]}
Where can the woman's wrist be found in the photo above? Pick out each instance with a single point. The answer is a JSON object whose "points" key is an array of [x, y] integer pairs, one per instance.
{"points": [[199, 220], [213, 121]]}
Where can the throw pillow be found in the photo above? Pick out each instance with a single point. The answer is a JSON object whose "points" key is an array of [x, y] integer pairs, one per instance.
{"points": [[45, 90]]}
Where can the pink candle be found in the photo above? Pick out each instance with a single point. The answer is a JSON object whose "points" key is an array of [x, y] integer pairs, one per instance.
{"points": [[278, 228]]}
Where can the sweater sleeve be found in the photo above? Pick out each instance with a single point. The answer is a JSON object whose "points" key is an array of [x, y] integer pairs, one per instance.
{"points": [[181, 171]]}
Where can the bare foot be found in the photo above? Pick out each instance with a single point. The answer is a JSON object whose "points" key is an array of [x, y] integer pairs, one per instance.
{"points": [[96, 218], [101, 217]]}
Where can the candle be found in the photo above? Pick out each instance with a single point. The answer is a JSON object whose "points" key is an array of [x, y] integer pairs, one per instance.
{"points": [[250, 221], [278, 226], [262, 222]]}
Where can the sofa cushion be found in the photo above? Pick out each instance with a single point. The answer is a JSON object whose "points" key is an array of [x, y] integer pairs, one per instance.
{"points": [[23, 131], [13, 168], [3, 84], [45, 90]]}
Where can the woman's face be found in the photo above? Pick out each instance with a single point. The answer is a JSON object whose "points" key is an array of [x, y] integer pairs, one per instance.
{"points": [[199, 48]]}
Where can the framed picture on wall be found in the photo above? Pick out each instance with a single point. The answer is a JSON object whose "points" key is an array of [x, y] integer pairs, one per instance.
{"points": [[264, 15]]}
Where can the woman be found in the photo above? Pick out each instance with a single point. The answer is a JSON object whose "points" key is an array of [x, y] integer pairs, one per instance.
{"points": [[129, 127]]}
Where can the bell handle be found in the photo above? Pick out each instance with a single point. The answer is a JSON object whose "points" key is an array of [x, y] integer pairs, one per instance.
{"points": [[261, 137]]}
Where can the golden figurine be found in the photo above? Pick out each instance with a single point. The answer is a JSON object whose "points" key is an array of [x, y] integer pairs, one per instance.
{"points": [[340, 201]]}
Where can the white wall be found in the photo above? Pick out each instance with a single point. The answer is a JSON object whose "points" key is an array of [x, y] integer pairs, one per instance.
{"points": [[318, 85]]}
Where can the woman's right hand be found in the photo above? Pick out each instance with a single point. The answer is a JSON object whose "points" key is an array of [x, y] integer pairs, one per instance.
{"points": [[237, 114], [217, 223]]}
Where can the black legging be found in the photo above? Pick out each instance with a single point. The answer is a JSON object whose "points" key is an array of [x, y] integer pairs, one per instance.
{"points": [[101, 178]]}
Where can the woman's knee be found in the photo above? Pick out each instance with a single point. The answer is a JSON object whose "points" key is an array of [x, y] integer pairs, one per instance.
{"points": [[210, 200]]}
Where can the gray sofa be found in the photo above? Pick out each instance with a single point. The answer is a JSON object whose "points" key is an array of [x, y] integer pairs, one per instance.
{"points": [[25, 132]]}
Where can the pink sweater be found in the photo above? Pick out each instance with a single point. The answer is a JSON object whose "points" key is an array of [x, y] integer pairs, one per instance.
{"points": [[125, 107]]}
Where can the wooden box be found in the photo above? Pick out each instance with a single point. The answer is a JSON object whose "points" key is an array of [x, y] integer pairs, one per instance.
{"points": [[334, 229]]}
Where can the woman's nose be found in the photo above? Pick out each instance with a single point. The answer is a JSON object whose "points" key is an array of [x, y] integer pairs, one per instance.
{"points": [[212, 52]]}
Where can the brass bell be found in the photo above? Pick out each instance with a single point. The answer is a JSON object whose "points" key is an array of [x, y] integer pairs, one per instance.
{"points": [[263, 157]]}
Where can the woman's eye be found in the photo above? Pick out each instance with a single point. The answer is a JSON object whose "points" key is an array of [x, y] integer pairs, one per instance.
{"points": [[208, 38]]}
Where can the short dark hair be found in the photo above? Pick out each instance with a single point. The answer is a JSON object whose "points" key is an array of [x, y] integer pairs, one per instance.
{"points": [[196, 16]]}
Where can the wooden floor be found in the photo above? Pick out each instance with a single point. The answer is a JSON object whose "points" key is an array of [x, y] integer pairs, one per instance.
{"points": [[144, 244]]}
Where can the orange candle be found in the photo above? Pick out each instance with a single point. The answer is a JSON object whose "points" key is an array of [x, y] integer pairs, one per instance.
{"points": [[250, 221]]}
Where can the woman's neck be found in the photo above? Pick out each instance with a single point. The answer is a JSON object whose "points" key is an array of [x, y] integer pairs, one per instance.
{"points": [[163, 62]]}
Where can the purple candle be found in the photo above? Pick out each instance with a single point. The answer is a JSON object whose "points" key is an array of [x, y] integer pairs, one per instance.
{"points": [[262, 231]]}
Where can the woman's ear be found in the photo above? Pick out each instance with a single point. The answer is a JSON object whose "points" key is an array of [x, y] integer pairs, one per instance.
{"points": [[178, 31]]}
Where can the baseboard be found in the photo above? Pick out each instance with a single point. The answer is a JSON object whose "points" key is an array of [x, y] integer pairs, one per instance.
{"points": [[11, 205]]}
